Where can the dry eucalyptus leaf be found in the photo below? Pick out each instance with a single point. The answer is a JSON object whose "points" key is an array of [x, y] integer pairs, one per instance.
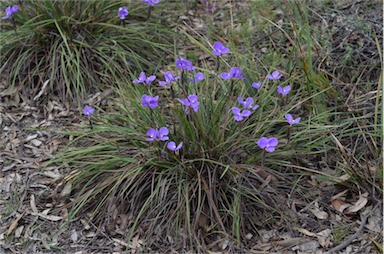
{"points": [[48, 217], [31, 137], [33, 204], [14, 224], [360, 203], [319, 214], [74, 236], [18, 231]]}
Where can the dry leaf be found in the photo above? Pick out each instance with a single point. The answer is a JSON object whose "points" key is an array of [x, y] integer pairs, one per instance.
{"points": [[319, 214], [32, 204], [48, 217], [18, 231], [306, 232], [74, 236], [14, 224], [359, 204], [339, 205]]}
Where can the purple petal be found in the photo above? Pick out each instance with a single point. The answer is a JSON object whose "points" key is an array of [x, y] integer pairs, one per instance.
{"points": [[179, 146], [270, 149], [152, 134], [276, 74], [238, 118], [163, 131], [193, 98], [246, 113], [248, 102], [286, 89], [262, 143], [195, 106], [255, 107], [273, 142], [235, 110], [225, 75], [279, 90], [163, 83], [14, 8], [199, 76], [150, 79], [171, 145], [289, 118]]}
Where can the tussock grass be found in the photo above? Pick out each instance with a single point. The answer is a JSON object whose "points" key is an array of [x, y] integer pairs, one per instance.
{"points": [[78, 45], [217, 183]]}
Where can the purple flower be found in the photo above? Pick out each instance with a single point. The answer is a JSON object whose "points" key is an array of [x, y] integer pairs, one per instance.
{"points": [[122, 12], [248, 103], [161, 134], [143, 79], [184, 64], [290, 119], [9, 11], [219, 49], [256, 85], [275, 75], [190, 102], [149, 101], [88, 111], [152, 134], [269, 144], [234, 72], [172, 146], [198, 77], [283, 90], [151, 2], [168, 78], [238, 115]]}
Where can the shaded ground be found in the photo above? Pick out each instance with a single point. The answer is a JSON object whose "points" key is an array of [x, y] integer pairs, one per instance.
{"points": [[33, 201]]}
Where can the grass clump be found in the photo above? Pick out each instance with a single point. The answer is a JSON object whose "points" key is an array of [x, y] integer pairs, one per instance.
{"points": [[78, 45], [196, 154]]}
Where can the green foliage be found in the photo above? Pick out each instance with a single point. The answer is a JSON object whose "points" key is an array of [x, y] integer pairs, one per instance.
{"points": [[78, 45]]}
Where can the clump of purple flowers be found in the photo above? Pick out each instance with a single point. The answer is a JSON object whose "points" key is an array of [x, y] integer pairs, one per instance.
{"points": [[9, 11], [168, 78], [283, 90], [191, 102], [234, 72], [143, 79], [275, 75], [184, 64], [149, 101], [268, 144], [219, 49], [122, 13], [239, 115], [160, 134]]}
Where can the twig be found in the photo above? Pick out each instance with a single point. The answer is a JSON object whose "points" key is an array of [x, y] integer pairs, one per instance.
{"points": [[350, 239]]}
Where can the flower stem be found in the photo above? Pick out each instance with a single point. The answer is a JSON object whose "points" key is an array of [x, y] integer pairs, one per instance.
{"points": [[289, 134], [263, 158]]}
